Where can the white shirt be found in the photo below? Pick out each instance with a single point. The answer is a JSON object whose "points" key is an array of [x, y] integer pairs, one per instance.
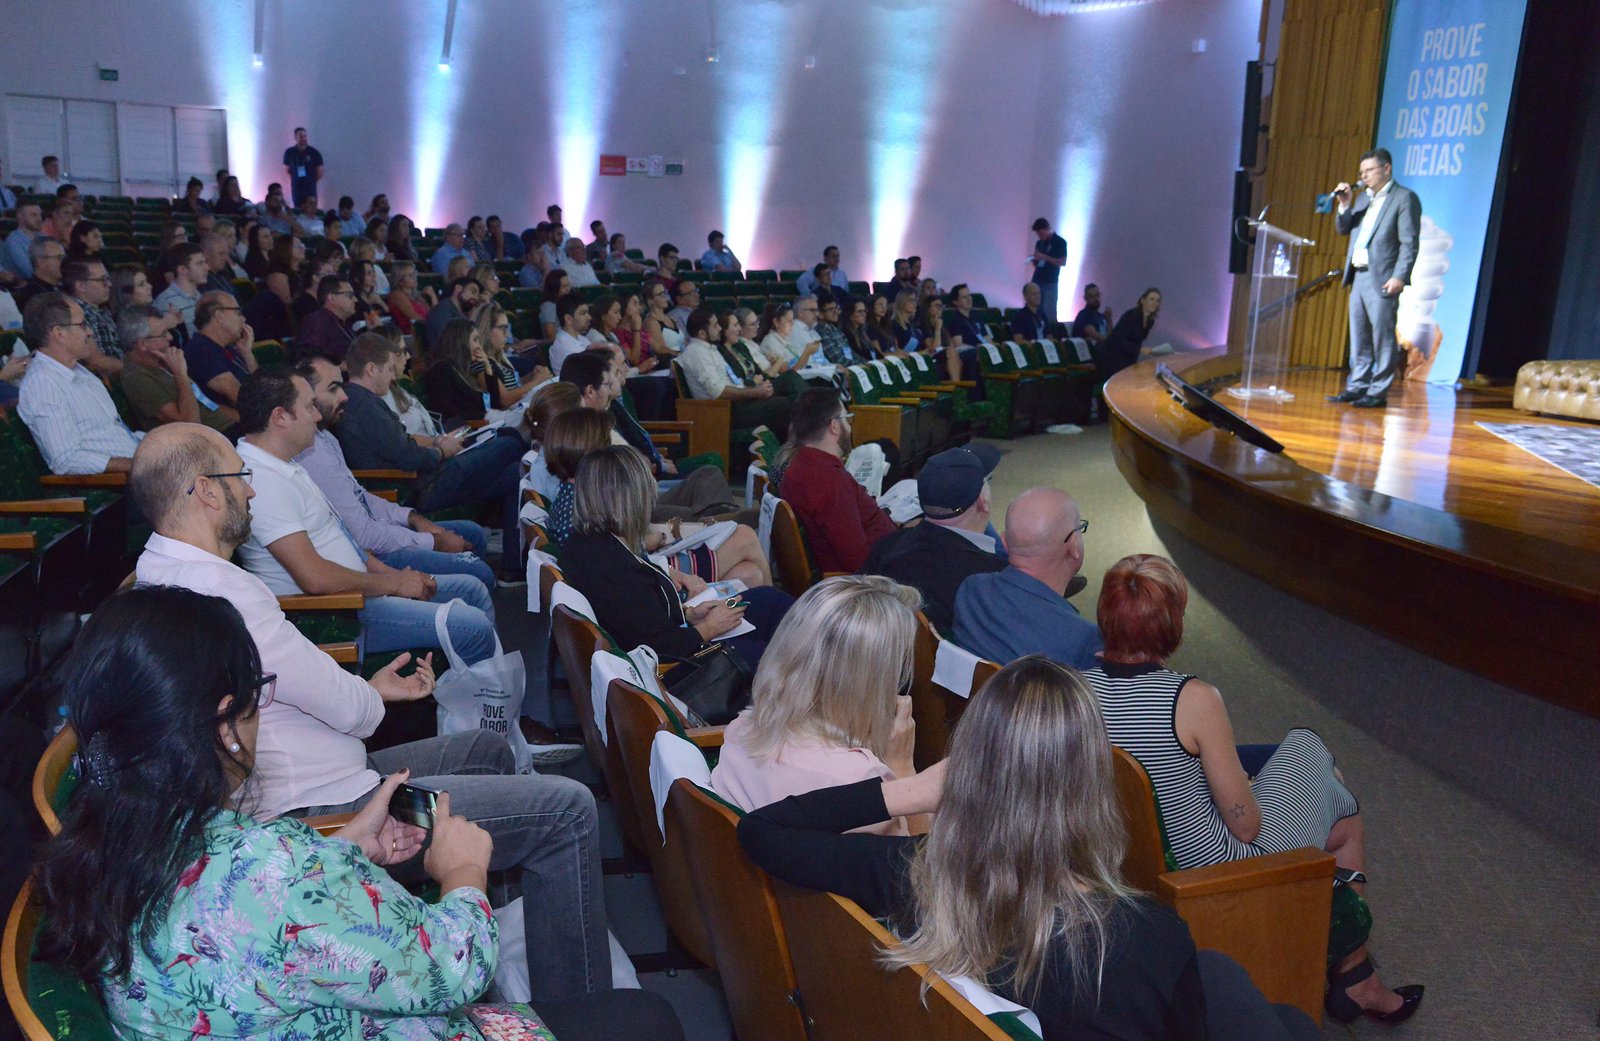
{"points": [[308, 750], [704, 370], [580, 274], [72, 417], [49, 185], [1369, 224], [415, 419], [564, 346], [287, 500]]}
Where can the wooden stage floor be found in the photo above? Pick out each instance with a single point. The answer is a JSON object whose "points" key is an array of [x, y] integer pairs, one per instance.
{"points": [[1426, 448], [1411, 519]]}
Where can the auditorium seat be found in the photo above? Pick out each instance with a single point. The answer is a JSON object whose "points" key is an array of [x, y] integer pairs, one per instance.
{"points": [[632, 718], [1269, 914], [28, 489], [741, 914], [848, 995], [39, 992], [934, 706], [793, 571]]}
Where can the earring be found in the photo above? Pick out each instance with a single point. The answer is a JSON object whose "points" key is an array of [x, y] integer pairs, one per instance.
{"points": [[234, 747]]}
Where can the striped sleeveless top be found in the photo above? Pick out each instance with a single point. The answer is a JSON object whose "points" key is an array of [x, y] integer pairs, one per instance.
{"points": [[1299, 795]]}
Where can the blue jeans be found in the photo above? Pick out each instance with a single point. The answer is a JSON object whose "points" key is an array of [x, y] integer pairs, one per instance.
{"points": [[543, 826], [394, 623], [767, 607], [1047, 299], [486, 473], [471, 562]]}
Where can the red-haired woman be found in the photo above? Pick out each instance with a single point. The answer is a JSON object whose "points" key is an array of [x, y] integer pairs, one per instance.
{"points": [[1212, 809]]}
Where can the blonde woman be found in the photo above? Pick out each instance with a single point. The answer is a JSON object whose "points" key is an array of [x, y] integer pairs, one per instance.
{"points": [[1017, 884], [826, 706], [635, 601], [408, 304]]}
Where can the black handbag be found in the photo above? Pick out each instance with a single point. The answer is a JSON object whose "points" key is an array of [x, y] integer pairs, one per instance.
{"points": [[714, 682]]}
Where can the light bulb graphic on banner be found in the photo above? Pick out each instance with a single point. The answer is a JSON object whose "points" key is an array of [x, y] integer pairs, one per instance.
{"points": [[1416, 327]]}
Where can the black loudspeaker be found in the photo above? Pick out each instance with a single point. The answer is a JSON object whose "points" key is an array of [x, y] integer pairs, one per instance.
{"points": [[1238, 237], [1250, 127]]}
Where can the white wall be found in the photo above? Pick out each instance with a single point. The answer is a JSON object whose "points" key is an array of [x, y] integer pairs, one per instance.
{"points": [[936, 127]]}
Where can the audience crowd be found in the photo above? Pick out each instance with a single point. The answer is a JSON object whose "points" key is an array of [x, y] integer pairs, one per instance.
{"points": [[186, 884]]}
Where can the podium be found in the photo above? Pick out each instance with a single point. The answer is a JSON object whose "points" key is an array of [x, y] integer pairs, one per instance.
{"points": [[1273, 283]]}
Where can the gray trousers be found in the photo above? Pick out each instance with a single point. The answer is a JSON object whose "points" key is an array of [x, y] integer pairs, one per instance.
{"points": [[1372, 344], [541, 824]]}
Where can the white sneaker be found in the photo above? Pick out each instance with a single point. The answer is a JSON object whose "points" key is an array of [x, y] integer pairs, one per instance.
{"points": [[1064, 428]]}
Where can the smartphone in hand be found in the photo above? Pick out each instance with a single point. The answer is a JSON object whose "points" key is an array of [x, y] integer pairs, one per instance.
{"points": [[415, 804]]}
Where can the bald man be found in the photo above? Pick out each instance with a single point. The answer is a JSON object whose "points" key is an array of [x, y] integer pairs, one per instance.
{"points": [[1023, 609], [310, 757]]}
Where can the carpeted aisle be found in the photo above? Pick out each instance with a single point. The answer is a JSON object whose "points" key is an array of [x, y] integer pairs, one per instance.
{"points": [[1480, 802]]}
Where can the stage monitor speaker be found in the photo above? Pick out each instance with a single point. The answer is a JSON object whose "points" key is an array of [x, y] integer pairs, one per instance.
{"points": [[1250, 126], [1215, 412], [1239, 237]]}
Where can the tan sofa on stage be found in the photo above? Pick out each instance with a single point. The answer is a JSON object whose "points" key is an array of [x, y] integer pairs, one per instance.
{"points": [[1560, 388]]}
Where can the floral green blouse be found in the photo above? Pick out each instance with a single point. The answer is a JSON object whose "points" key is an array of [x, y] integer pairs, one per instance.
{"points": [[278, 933]]}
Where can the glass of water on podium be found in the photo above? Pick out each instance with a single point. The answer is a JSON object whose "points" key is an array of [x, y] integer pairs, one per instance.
{"points": [[1274, 280]]}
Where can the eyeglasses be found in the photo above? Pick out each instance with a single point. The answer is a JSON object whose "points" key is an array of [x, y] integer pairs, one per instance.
{"points": [[243, 475], [1077, 529], [71, 325], [266, 690]]}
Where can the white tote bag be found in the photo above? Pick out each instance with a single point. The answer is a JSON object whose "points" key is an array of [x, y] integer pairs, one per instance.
{"points": [[485, 696]]}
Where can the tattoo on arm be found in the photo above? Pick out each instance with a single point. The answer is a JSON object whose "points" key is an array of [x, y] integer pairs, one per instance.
{"points": [[1236, 811]]}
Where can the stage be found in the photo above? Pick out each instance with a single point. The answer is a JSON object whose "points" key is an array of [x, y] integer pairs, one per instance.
{"points": [[1412, 520]]}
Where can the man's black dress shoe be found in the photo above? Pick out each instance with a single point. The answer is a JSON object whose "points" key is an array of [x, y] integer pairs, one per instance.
{"points": [[1347, 396], [1369, 402]]}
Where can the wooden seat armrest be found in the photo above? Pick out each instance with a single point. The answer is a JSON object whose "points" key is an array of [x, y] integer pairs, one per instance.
{"points": [[954, 384], [476, 423], [29, 507], [1295, 865], [706, 737], [836, 574], [384, 475], [328, 823], [387, 493], [1009, 377], [346, 653], [925, 395], [323, 602], [901, 402], [106, 480], [666, 426], [27, 541]]}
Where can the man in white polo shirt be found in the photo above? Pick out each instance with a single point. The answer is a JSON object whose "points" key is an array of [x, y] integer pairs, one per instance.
{"points": [[297, 543]]}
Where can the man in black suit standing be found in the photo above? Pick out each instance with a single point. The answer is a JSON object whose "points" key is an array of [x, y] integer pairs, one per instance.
{"points": [[1382, 225]]}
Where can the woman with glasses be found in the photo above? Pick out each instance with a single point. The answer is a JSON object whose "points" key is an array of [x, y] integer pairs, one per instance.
{"points": [[504, 383], [665, 338], [190, 916], [1220, 801]]}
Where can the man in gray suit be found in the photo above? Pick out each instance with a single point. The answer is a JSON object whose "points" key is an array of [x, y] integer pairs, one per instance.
{"points": [[1382, 226]]}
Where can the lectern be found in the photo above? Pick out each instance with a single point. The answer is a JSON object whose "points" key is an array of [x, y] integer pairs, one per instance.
{"points": [[1273, 283]]}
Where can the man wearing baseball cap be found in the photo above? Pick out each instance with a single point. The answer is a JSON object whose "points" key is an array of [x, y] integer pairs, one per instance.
{"points": [[954, 540]]}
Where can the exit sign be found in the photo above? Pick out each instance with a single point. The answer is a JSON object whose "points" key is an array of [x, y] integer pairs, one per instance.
{"points": [[109, 75]]}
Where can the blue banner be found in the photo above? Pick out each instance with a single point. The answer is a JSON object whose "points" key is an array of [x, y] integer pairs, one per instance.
{"points": [[1447, 86]]}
